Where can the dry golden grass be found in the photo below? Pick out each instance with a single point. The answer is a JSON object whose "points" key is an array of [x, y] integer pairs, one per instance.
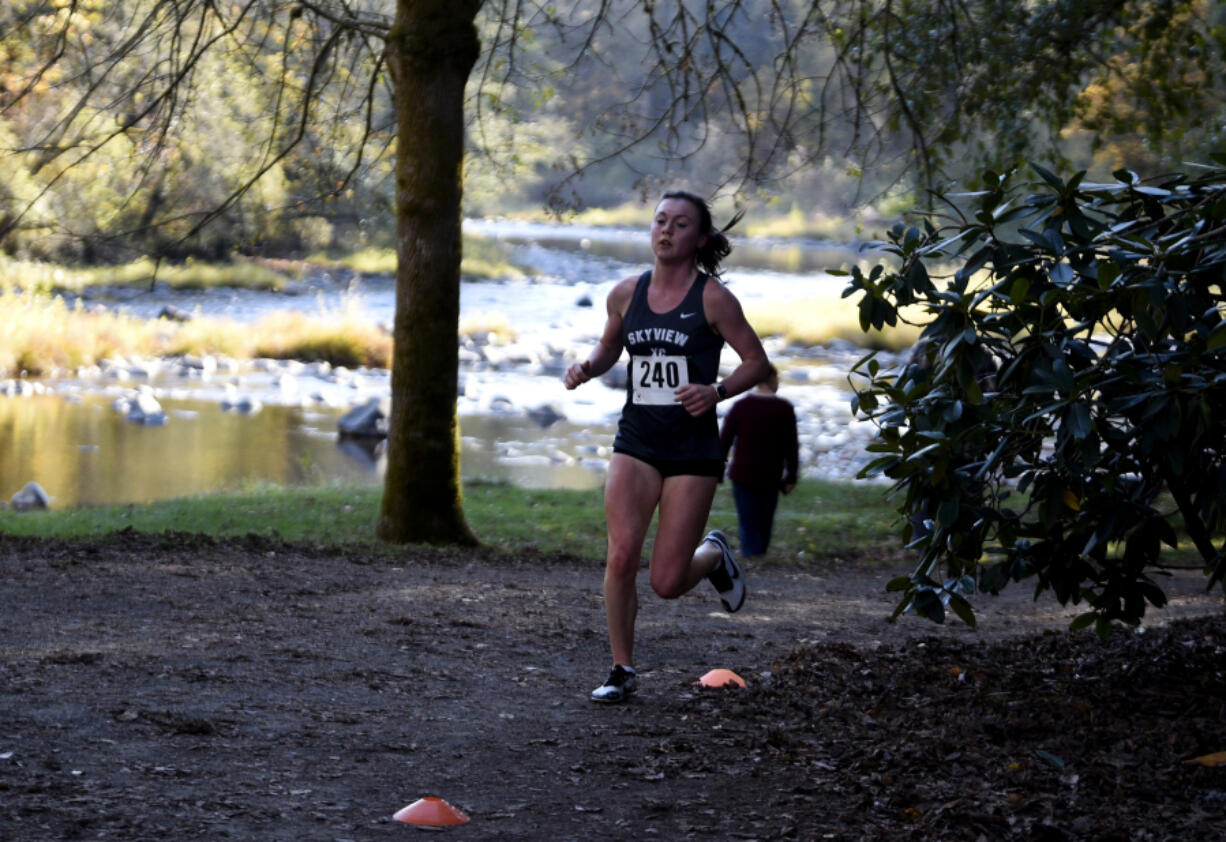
{"points": [[485, 325], [818, 321], [478, 262], [40, 335], [341, 339], [31, 275]]}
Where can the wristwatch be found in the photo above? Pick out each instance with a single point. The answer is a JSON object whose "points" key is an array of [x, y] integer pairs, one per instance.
{"points": [[721, 392]]}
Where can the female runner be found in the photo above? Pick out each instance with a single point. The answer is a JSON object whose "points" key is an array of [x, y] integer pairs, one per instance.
{"points": [[674, 321]]}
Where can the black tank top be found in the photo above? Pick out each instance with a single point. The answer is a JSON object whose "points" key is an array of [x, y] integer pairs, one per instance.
{"points": [[660, 344]]}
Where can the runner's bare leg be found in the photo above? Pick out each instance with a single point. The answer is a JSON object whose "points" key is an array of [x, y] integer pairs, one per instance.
{"points": [[679, 560], [632, 490]]}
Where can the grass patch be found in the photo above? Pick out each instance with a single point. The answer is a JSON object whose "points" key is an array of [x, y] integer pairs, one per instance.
{"points": [[820, 520], [329, 515], [760, 222], [484, 259], [625, 215], [820, 320], [203, 276], [367, 261], [41, 335], [798, 225], [46, 277], [484, 326], [341, 339]]}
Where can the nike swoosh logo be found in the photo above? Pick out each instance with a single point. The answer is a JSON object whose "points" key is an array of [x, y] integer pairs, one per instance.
{"points": [[687, 315]]}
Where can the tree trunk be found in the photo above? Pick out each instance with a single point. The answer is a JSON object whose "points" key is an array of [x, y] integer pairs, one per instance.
{"points": [[432, 49]]}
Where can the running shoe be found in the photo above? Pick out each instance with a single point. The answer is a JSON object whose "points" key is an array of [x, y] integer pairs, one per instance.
{"points": [[622, 681], [726, 576]]}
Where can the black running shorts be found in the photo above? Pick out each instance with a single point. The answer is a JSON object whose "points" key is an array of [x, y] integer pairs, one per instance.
{"points": [[680, 467]]}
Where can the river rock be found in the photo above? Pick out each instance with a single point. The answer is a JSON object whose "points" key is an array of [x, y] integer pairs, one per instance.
{"points": [[546, 415], [21, 388], [203, 365], [145, 409], [368, 420], [31, 496], [234, 402], [516, 354], [174, 314], [367, 452]]}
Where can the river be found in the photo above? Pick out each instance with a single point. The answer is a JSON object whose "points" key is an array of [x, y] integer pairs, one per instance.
{"points": [[71, 439]]}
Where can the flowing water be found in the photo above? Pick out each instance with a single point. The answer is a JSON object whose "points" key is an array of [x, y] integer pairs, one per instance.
{"points": [[73, 441]]}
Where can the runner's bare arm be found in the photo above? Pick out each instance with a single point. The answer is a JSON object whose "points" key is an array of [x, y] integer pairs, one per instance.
{"points": [[726, 318], [609, 347]]}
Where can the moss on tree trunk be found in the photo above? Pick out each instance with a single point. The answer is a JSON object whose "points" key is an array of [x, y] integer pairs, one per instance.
{"points": [[433, 47]]}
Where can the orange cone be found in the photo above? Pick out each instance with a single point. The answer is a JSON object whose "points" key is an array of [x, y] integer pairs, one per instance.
{"points": [[430, 812], [721, 678]]}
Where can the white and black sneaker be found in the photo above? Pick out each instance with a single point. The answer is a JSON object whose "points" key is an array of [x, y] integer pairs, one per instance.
{"points": [[727, 576], [622, 681]]}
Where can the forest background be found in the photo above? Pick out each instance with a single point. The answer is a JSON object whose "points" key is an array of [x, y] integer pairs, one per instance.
{"points": [[197, 129], [218, 170]]}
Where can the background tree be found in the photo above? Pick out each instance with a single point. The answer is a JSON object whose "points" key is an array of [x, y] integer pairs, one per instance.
{"points": [[433, 47], [819, 106], [1100, 433]]}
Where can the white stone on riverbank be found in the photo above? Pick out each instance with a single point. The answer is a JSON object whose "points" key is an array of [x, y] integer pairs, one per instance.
{"points": [[30, 497], [140, 406], [21, 388]]}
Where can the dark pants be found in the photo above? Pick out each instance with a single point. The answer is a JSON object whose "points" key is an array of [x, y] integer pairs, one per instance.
{"points": [[755, 511]]}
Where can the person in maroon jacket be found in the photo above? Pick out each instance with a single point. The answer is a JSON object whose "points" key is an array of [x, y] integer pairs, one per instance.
{"points": [[760, 430]]}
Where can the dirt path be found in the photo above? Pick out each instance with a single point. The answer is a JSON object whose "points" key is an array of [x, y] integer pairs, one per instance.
{"points": [[174, 688]]}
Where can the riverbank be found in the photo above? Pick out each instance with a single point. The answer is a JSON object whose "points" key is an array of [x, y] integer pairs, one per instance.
{"points": [[517, 335], [133, 430]]}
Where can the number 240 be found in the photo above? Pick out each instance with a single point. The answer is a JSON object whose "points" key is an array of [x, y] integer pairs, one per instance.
{"points": [[660, 375]]}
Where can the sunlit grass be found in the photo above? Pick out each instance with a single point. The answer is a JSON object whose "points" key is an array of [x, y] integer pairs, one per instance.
{"points": [[483, 259], [341, 339], [628, 215], [32, 275], [819, 521], [759, 223], [243, 274], [797, 225], [202, 336], [367, 261], [40, 335], [482, 326], [821, 320], [828, 523], [331, 515]]}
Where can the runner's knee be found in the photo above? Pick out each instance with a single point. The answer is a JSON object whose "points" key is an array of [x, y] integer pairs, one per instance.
{"points": [[668, 584], [621, 566]]}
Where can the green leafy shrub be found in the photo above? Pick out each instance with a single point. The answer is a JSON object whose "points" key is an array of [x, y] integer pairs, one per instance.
{"points": [[1100, 432]]}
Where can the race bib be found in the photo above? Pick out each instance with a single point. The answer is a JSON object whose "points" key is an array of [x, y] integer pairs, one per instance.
{"points": [[655, 380]]}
